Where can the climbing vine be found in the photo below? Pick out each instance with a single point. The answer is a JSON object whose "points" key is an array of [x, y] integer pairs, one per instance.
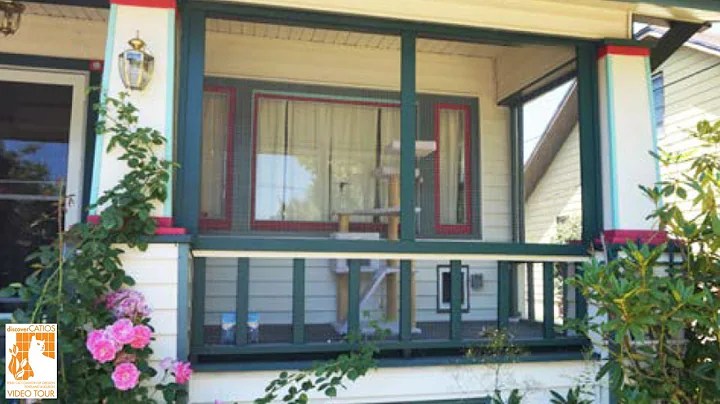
{"points": [[78, 282]]}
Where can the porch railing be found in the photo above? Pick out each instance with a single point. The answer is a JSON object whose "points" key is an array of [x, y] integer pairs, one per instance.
{"points": [[261, 304]]}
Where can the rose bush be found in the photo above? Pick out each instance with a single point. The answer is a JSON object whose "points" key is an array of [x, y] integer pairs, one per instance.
{"points": [[78, 281], [120, 345]]}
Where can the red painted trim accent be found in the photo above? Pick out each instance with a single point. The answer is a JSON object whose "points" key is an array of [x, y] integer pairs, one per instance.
{"points": [[652, 237], [147, 3], [279, 225], [225, 223], [164, 225], [465, 228], [96, 65], [170, 231], [623, 50]]}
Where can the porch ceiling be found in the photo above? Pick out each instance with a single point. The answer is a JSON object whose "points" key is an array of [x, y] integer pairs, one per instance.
{"points": [[350, 38], [67, 12]]}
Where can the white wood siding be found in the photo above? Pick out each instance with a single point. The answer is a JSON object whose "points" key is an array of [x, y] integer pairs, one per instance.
{"points": [[558, 193], [156, 275], [413, 384], [688, 101]]}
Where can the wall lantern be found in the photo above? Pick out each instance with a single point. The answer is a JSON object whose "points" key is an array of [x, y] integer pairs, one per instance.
{"points": [[136, 65], [10, 12]]}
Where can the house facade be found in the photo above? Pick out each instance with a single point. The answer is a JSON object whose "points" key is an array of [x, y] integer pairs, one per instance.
{"points": [[344, 165]]}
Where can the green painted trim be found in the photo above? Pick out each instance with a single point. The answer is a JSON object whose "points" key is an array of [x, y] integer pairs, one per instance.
{"points": [[517, 172], [530, 279], [242, 301], [653, 121], [320, 347], [198, 304], [549, 300], [572, 356], [503, 295], [105, 87], [170, 113], [590, 167], [580, 302], [710, 5], [323, 96], [298, 301], [405, 300], [190, 123], [183, 300], [612, 133], [514, 186], [319, 19], [456, 300], [353, 314], [168, 239], [528, 93], [408, 133], [444, 248]]}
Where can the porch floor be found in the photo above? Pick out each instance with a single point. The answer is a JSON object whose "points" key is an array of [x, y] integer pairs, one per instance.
{"points": [[430, 330]]}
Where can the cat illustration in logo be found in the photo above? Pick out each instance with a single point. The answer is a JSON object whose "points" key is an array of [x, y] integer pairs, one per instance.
{"points": [[43, 367]]}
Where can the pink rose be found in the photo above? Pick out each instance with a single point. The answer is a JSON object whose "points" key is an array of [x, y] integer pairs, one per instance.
{"points": [[122, 331], [102, 349], [127, 303], [167, 363], [93, 337], [125, 376], [143, 334], [182, 372]]}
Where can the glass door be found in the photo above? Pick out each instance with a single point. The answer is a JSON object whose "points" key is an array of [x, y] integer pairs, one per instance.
{"points": [[42, 131]]}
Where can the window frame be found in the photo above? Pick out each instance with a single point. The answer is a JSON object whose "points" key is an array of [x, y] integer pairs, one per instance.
{"points": [[464, 228], [299, 225], [658, 112], [224, 223]]}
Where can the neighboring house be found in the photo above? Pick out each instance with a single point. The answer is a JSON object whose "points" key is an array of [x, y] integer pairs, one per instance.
{"points": [[684, 92], [341, 162]]}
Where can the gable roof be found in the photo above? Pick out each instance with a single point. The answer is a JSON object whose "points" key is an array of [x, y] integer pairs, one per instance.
{"points": [[706, 41], [566, 116], [551, 141]]}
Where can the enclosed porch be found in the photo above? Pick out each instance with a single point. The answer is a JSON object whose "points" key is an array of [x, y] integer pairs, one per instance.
{"points": [[346, 178]]}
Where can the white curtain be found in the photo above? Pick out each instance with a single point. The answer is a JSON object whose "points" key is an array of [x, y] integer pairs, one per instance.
{"points": [[389, 132], [214, 155], [353, 153], [323, 162], [270, 159], [452, 167], [307, 161]]}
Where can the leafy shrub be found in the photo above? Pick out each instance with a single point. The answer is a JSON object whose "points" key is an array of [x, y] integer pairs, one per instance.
{"points": [[659, 324]]}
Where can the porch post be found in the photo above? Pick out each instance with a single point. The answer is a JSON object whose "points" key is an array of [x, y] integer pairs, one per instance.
{"points": [[627, 136], [154, 22]]}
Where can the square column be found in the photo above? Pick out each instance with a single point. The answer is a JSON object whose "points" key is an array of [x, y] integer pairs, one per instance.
{"points": [[154, 22], [628, 135]]}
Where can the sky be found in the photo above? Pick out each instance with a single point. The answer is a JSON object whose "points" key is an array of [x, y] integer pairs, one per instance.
{"points": [[537, 115]]}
